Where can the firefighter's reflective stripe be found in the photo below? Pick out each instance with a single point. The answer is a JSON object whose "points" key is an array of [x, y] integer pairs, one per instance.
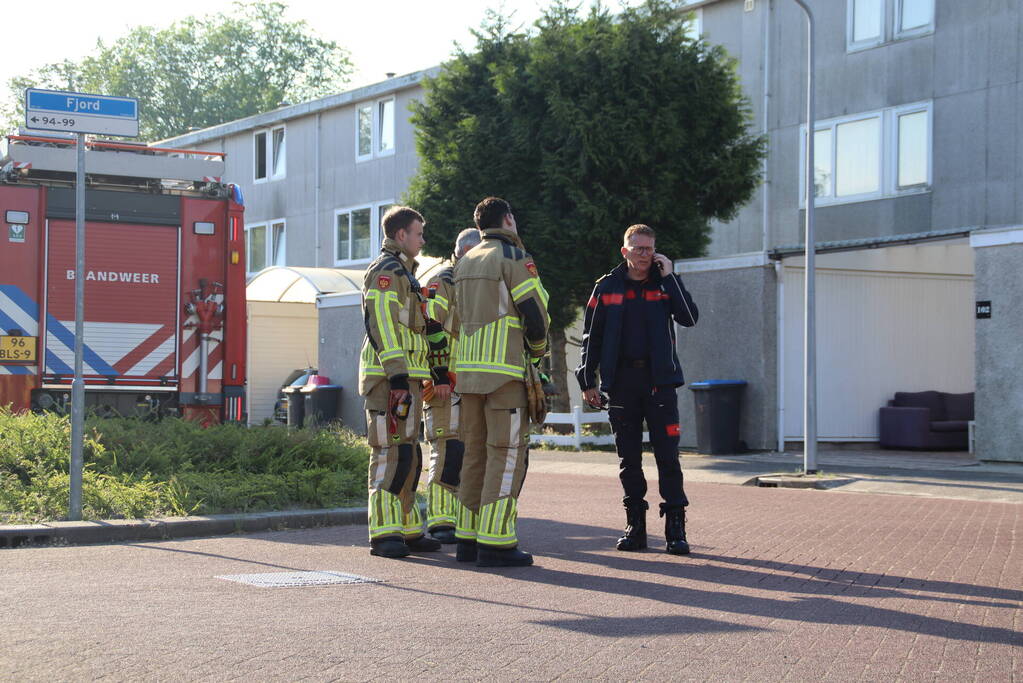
{"points": [[385, 516], [413, 347], [485, 349], [497, 523], [466, 523], [531, 285], [412, 524], [435, 303], [441, 506], [381, 301]]}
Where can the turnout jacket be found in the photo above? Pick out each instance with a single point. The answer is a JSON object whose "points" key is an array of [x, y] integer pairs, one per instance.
{"points": [[440, 296], [500, 313], [395, 348], [664, 298]]}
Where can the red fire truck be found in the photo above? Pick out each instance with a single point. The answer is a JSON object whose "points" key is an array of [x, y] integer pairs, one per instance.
{"points": [[164, 280]]}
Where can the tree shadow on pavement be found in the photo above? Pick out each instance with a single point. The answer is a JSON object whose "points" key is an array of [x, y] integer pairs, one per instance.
{"points": [[576, 543]]}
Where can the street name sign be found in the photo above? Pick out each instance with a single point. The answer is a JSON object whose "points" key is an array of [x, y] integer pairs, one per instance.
{"points": [[76, 112]]}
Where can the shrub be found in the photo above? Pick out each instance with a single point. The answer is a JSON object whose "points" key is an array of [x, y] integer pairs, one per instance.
{"points": [[135, 468]]}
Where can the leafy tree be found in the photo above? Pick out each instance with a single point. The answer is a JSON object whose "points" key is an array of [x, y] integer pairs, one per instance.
{"points": [[586, 124], [201, 71]]}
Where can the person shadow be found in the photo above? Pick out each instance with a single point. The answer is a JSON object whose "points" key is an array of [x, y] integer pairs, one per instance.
{"points": [[822, 595]]}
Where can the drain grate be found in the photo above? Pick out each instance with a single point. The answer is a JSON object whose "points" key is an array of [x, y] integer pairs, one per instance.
{"points": [[296, 579]]}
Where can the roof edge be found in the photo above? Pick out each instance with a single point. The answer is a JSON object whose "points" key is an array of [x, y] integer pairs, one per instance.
{"points": [[872, 242], [282, 114]]}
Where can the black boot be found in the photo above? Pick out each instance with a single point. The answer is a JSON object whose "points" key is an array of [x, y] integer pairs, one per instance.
{"points": [[423, 544], [388, 547], [465, 551], [635, 527], [444, 534], [675, 531], [502, 557]]}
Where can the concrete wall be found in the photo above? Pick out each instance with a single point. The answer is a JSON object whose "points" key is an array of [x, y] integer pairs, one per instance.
{"points": [[341, 335], [735, 338], [999, 402]]}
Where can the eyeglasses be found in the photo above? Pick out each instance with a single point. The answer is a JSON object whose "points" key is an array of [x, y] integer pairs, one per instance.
{"points": [[641, 251]]}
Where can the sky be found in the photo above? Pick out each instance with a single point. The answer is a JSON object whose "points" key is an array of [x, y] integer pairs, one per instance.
{"points": [[383, 36]]}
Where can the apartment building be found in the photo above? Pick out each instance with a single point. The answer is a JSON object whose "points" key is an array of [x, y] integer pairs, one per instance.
{"points": [[316, 178], [917, 181], [919, 214]]}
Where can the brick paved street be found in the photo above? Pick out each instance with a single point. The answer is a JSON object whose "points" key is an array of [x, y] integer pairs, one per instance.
{"points": [[782, 585]]}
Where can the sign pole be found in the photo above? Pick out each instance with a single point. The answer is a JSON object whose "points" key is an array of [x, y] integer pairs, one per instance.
{"points": [[78, 386], [80, 113]]}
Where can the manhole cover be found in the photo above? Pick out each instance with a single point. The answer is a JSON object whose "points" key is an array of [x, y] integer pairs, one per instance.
{"points": [[295, 579]]}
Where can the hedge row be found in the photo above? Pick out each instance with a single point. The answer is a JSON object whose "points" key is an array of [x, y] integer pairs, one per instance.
{"points": [[135, 468]]}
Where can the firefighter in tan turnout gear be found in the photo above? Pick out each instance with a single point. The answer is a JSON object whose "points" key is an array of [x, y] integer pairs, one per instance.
{"points": [[393, 364], [441, 416], [501, 318]]}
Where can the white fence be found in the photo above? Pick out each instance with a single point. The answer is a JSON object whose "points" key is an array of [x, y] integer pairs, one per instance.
{"points": [[577, 418]]}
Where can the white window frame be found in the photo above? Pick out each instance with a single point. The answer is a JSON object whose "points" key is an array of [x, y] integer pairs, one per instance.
{"points": [[375, 232], [255, 156], [888, 157], [375, 136], [268, 255], [269, 152], [893, 144], [891, 18]]}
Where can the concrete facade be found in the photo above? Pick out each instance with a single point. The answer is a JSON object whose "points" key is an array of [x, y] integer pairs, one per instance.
{"points": [[965, 67], [735, 338], [998, 255], [322, 173], [341, 334]]}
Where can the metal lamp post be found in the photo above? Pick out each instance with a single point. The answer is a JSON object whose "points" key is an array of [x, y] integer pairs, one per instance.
{"points": [[810, 310]]}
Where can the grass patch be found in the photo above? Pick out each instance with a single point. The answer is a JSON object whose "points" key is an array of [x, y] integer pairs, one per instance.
{"points": [[135, 468]]}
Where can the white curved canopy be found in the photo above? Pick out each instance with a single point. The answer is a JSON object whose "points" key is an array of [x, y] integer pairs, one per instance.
{"points": [[294, 284]]}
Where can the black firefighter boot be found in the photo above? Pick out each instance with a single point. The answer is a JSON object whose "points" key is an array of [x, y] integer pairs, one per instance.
{"points": [[635, 527], [675, 531]]}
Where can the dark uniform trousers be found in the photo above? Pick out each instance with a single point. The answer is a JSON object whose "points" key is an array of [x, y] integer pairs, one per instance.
{"points": [[633, 400]]}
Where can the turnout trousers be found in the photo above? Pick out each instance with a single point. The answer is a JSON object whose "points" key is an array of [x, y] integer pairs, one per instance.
{"points": [[395, 463], [495, 427], [441, 428], [633, 400]]}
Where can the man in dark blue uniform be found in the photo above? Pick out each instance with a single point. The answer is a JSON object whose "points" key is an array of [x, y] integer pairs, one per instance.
{"points": [[630, 339]]}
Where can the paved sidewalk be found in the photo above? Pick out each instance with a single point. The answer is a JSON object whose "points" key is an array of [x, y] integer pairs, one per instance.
{"points": [[782, 585], [932, 475]]}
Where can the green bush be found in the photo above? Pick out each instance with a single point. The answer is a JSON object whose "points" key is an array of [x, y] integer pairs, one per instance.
{"points": [[135, 468]]}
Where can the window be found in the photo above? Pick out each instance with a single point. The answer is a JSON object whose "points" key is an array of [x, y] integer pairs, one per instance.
{"points": [[268, 154], [259, 155], [385, 124], [913, 145], [694, 24], [374, 129], [265, 248], [874, 22], [358, 232], [364, 132], [915, 15], [381, 210], [858, 157], [871, 155]]}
